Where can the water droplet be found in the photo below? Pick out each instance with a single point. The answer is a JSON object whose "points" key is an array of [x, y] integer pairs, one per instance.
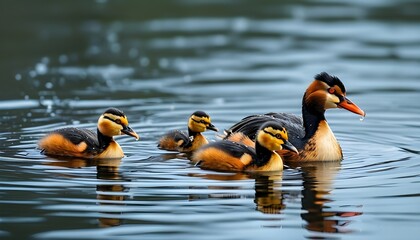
{"points": [[45, 60], [18, 77], [93, 50], [144, 61], [164, 63], [41, 68], [63, 59], [115, 47], [49, 85], [362, 118], [32, 73], [112, 37], [133, 53]]}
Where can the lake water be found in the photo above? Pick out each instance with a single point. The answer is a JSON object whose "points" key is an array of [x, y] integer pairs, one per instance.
{"points": [[62, 63]]}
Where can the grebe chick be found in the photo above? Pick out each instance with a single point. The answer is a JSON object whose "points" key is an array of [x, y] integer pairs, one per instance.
{"points": [[184, 142], [310, 133], [84, 143], [232, 156]]}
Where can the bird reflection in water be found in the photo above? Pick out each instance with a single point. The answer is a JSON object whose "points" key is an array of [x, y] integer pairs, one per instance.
{"points": [[270, 198], [268, 194], [109, 193], [318, 178]]}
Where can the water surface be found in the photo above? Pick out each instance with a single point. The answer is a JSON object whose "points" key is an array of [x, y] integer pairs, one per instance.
{"points": [[63, 63]]}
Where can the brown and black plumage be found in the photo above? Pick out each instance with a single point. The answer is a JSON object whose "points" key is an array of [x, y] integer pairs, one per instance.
{"points": [[84, 143], [233, 156], [310, 133], [189, 141]]}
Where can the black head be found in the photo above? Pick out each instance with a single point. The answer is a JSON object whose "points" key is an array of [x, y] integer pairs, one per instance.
{"points": [[114, 111], [200, 114], [330, 80]]}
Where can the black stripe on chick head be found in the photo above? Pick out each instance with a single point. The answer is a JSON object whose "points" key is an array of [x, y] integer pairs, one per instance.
{"points": [[115, 115], [200, 117], [200, 114], [275, 130], [114, 111]]}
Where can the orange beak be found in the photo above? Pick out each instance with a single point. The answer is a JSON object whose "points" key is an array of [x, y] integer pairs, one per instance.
{"points": [[350, 106]]}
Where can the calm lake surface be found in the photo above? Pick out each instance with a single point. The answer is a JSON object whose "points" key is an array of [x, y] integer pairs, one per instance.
{"points": [[62, 63]]}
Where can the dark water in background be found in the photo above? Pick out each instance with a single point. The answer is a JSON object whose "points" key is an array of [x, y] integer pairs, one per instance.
{"points": [[63, 62]]}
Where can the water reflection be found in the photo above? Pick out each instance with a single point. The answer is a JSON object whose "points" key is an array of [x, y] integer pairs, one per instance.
{"points": [[110, 191], [268, 194], [318, 179], [158, 61], [269, 197]]}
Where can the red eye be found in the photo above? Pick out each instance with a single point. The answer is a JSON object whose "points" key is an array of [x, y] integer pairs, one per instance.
{"points": [[331, 90]]}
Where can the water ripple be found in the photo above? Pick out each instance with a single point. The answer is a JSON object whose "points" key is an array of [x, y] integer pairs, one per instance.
{"points": [[159, 62]]}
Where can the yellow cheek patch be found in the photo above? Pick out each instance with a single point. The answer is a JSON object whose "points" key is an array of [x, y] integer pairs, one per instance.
{"points": [[272, 138], [199, 119], [109, 115], [277, 133], [196, 119], [117, 119], [283, 134], [108, 127], [124, 121], [196, 125], [268, 141]]}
